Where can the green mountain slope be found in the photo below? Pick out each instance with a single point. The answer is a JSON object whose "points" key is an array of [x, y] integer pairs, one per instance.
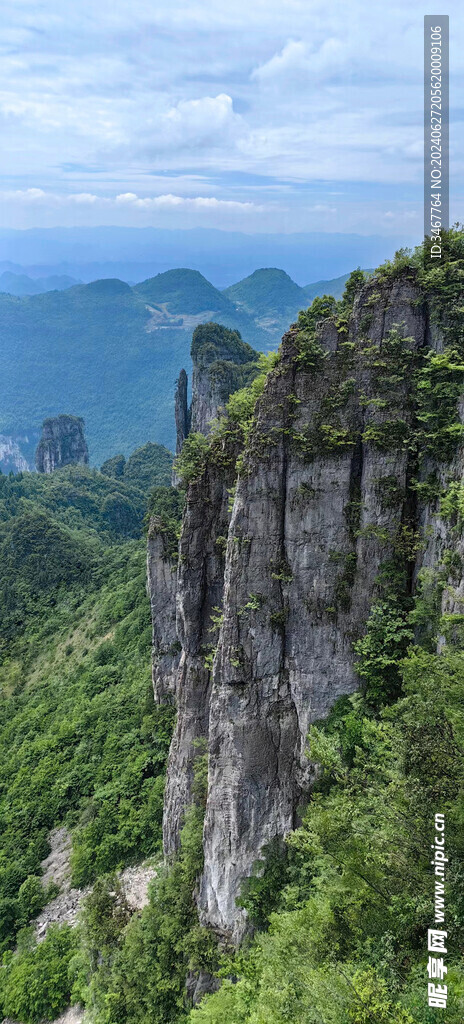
{"points": [[266, 289], [270, 296], [334, 287], [52, 528], [184, 291], [81, 741], [274, 300], [21, 284], [109, 353]]}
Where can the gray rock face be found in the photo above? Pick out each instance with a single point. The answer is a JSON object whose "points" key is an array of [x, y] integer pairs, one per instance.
{"points": [[182, 411], [309, 533], [198, 985], [161, 576], [222, 363], [299, 584], [206, 400], [62, 444], [200, 579], [209, 398], [11, 456]]}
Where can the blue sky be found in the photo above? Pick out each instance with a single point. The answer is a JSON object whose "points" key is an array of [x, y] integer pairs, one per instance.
{"points": [[267, 116]]}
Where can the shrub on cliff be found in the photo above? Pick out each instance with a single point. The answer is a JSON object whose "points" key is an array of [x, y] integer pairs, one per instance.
{"points": [[140, 979], [34, 983], [191, 459]]}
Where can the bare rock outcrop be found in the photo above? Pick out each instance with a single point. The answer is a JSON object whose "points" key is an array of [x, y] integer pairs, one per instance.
{"points": [[11, 456], [62, 444], [181, 410], [65, 907], [162, 588], [222, 363]]}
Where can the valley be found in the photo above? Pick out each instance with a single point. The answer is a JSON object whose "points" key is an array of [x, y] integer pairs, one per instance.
{"points": [[111, 353]]}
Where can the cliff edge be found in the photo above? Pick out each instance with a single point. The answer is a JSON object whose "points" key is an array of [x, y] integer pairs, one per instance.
{"points": [[304, 518]]}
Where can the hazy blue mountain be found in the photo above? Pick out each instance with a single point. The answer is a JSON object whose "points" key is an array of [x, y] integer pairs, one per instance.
{"points": [[266, 288], [109, 353], [22, 284], [184, 291], [274, 300], [224, 257], [334, 287]]}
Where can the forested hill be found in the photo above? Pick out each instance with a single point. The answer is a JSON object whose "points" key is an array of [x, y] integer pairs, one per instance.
{"points": [[82, 744], [274, 300], [112, 354]]}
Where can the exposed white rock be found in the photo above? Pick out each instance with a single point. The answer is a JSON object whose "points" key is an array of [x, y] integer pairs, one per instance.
{"points": [[64, 909]]}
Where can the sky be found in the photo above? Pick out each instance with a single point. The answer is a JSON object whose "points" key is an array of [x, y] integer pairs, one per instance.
{"points": [[245, 116]]}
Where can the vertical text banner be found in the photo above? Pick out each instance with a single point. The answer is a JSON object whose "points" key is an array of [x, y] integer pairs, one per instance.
{"points": [[436, 132]]}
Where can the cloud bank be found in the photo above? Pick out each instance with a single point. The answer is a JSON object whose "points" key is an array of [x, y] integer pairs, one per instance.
{"points": [[259, 112]]}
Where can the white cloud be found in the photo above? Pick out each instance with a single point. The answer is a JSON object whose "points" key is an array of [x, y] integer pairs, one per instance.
{"points": [[135, 98], [188, 202], [208, 122], [129, 199], [27, 195], [298, 58], [86, 198], [203, 116], [321, 208], [293, 52]]}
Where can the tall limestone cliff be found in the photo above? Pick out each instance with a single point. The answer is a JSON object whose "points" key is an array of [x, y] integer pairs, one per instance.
{"points": [[308, 537], [62, 444], [222, 363], [11, 455], [182, 604], [162, 586], [334, 514], [200, 578]]}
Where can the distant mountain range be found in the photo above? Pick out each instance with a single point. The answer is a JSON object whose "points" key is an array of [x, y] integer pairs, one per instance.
{"points": [[22, 284], [111, 353], [223, 257]]}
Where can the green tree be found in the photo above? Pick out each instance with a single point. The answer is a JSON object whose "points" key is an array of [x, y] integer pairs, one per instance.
{"points": [[34, 984]]}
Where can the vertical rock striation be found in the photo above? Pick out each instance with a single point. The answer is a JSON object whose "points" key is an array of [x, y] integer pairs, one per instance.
{"points": [[222, 363], [162, 586], [326, 505], [11, 456], [308, 536], [62, 444], [200, 580], [181, 410]]}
